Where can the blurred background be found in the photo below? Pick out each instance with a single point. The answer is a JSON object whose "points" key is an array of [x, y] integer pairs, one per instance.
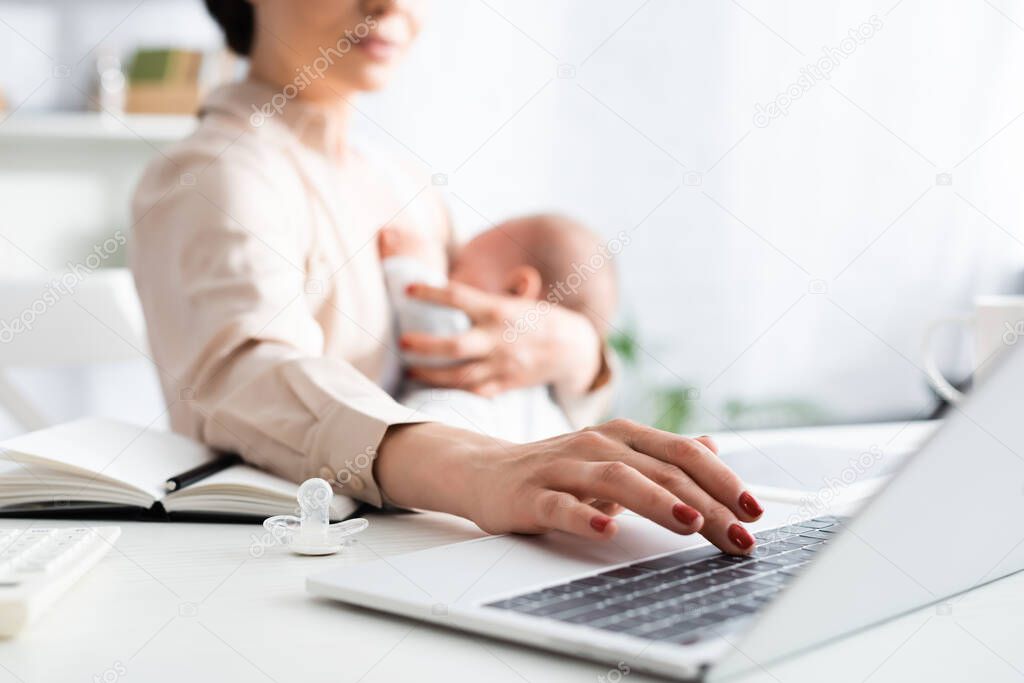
{"points": [[805, 185]]}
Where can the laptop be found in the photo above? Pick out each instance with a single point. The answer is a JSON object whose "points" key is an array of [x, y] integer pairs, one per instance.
{"points": [[948, 520]]}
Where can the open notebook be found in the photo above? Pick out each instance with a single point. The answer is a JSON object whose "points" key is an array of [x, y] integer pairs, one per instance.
{"points": [[99, 464]]}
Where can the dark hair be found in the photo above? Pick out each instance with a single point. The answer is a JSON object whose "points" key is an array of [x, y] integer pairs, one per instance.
{"points": [[237, 20]]}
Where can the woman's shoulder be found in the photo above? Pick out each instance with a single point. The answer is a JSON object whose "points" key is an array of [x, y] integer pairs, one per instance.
{"points": [[225, 158]]}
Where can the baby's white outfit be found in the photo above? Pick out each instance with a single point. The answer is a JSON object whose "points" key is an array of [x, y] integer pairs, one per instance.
{"points": [[519, 415]]}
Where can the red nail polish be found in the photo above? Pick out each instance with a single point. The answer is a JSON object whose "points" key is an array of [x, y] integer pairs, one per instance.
{"points": [[599, 524], [685, 514], [740, 537], [410, 290], [750, 505], [403, 344]]}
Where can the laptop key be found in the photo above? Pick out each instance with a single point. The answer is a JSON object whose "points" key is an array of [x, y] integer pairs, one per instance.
{"points": [[818, 523], [628, 625], [727, 613], [803, 540], [777, 579], [679, 573], [768, 550], [642, 601], [791, 543], [681, 629], [768, 564], [701, 603], [746, 606], [511, 604], [566, 606], [773, 535], [732, 592], [720, 562], [662, 563], [591, 616], [702, 583], [649, 582], [624, 573], [806, 554], [735, 574]]}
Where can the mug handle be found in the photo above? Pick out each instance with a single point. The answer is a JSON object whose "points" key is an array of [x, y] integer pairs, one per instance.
{"points": [[931, 368]]}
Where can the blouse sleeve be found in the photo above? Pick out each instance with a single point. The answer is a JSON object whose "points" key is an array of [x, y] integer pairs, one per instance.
{"points": [[219, 257]]}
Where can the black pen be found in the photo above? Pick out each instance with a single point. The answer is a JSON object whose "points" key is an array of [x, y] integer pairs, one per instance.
{"points": [[221, 462]]}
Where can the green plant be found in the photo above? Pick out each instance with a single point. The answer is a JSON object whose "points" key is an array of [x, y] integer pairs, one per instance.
{"points": [[674, 407], [623, 343]]}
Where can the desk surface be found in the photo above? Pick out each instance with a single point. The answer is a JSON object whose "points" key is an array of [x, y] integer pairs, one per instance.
{"points": [[194, 602]]}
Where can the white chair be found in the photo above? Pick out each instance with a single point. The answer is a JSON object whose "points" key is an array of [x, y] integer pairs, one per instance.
{"points": [[93, 317]]}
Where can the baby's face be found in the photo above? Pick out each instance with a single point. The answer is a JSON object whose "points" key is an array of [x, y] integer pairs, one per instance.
{"points": [[485, 262]]}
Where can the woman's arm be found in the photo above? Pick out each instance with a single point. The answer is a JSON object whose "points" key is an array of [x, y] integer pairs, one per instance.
{"points": [[562, 482], [220, 266]]}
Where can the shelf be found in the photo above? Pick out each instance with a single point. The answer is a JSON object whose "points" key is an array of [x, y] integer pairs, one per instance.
{"points": [[93, 126]]}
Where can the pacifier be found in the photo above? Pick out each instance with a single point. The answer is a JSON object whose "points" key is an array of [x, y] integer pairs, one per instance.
{"points": [[311, 533]]}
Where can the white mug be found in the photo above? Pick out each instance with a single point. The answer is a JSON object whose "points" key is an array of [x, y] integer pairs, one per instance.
{"points": [[998, 322]]}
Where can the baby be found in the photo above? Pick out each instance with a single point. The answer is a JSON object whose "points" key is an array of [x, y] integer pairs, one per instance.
{"points": [[537, 257]]}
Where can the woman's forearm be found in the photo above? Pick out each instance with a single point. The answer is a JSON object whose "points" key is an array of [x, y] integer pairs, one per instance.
{"points": [[572, 482], [427, 466]]}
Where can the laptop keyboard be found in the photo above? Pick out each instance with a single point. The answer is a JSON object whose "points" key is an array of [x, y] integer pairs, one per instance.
{"points": [[684, 597]]}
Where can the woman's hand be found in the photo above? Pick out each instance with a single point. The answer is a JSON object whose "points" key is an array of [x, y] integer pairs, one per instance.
{"points": [[573, 482], [514, 342]]}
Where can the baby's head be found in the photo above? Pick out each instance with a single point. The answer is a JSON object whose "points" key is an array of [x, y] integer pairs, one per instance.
{"points": [[545, 256]]}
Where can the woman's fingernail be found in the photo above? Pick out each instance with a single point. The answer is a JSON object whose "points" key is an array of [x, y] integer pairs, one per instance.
{"points": [[740, 537], [410, 290], [600, 523], [750, 505], [404, 344], [685, 514]]}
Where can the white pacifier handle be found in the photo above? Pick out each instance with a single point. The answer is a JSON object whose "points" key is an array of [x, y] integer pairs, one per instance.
{"points": [[315, 497], [311, 533]]}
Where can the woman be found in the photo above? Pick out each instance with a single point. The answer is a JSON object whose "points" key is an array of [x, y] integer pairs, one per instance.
{"points": [[254, 256]]}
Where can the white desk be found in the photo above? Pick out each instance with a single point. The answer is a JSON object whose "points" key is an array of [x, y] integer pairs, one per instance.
{"points": [[188, 602]]}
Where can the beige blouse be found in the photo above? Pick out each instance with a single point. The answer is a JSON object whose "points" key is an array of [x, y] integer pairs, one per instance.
{"points": [[255, 257]]}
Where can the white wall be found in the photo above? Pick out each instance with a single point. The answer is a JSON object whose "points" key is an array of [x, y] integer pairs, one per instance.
{"points": [[719, 277], [740, 226]]}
